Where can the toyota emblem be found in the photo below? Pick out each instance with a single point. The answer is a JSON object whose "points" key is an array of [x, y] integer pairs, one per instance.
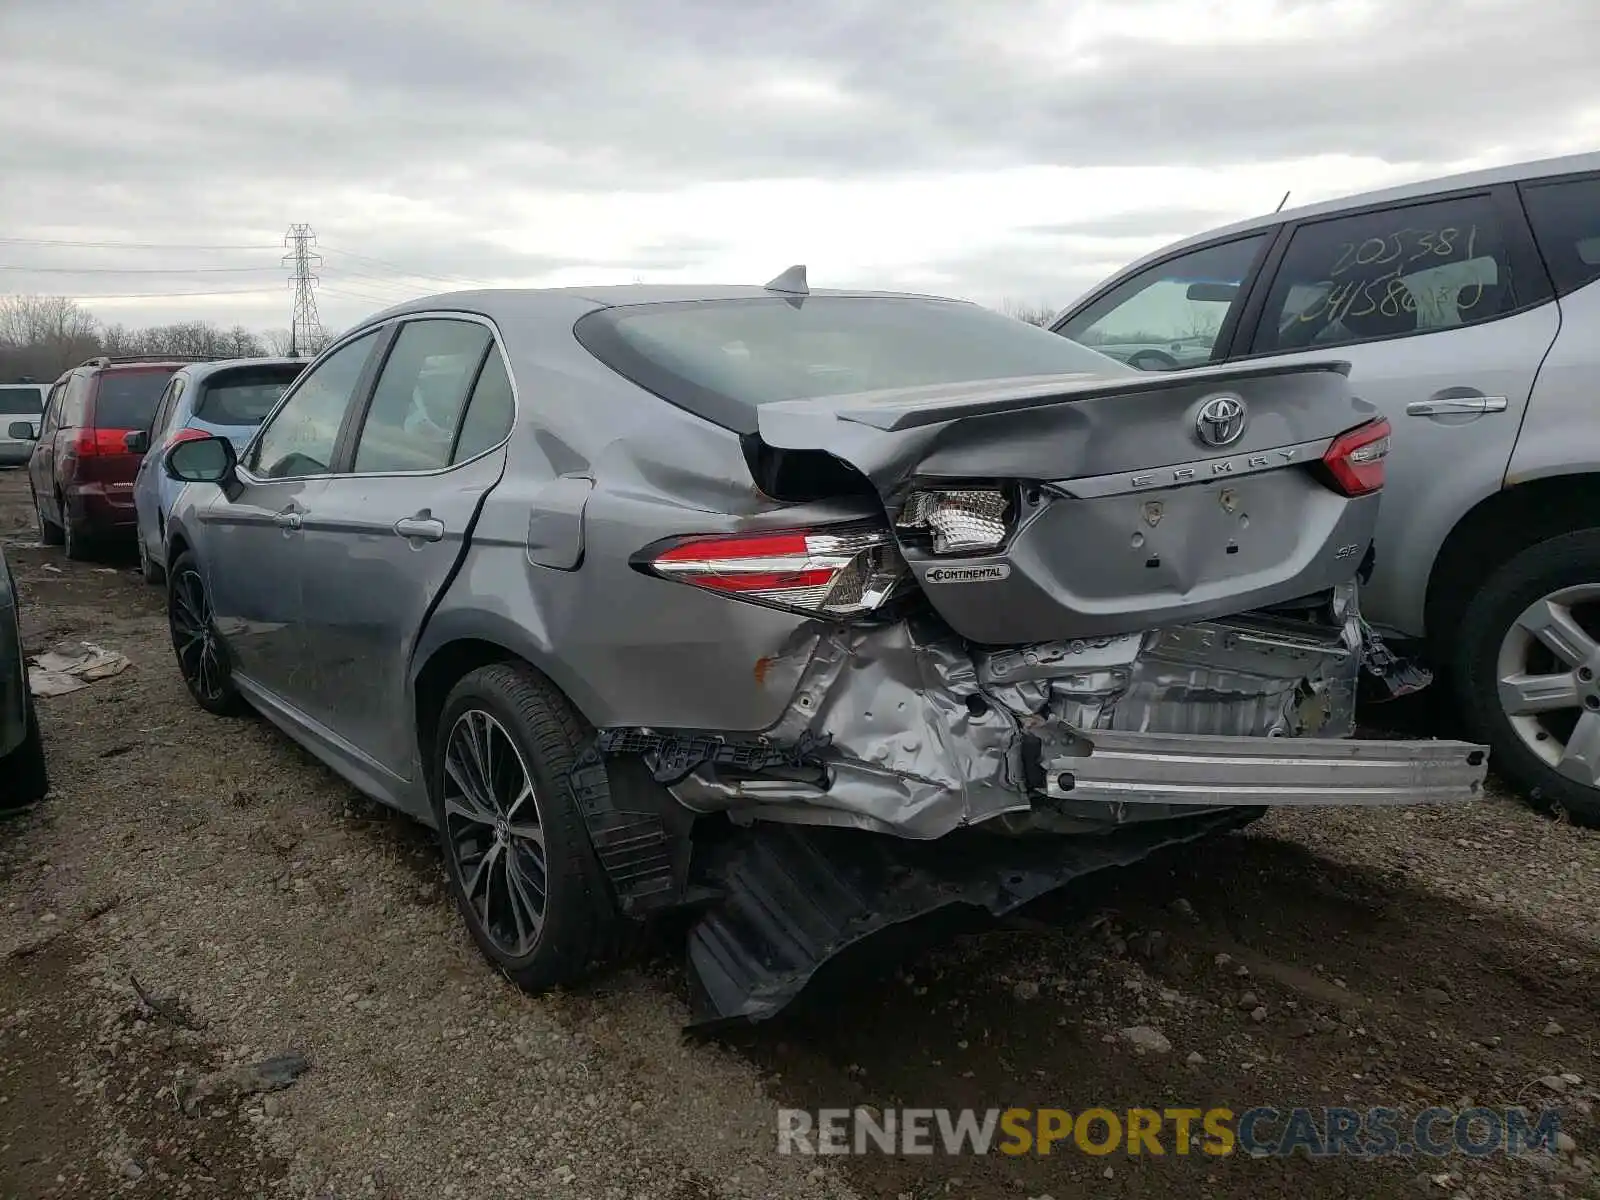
{"points": [[1220, 421]]}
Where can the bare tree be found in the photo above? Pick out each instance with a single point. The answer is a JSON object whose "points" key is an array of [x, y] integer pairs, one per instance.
{"points": [[40, 336], [277, 341], [1033, 314]]}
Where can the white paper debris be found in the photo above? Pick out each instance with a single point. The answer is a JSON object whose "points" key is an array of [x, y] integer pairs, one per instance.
{"points": [[68, 668]]}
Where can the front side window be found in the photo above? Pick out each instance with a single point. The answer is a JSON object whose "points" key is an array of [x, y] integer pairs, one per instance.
{"points": [[416, 407], [1172, 314], [165, 408], [300, 438], [1566, 224], [1418, 269]]}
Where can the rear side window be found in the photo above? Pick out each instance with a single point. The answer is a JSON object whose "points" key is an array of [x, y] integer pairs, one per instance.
{"points": [[22, 401], [720, 359], [411, 423], [1170, 315], [1417, 269], [489, 412], [127, 399], [242, 397], [1566, 223]]}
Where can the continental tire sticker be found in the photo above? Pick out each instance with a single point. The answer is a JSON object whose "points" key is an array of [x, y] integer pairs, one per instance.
{"points": [[967, 574]]}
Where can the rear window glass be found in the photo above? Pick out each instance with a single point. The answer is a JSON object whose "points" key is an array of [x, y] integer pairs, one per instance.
{"points": [[243, 397], [127, 399], [722, 358], [24, 399]]}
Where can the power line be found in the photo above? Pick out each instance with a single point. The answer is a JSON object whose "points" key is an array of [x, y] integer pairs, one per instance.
{"points": [[134, 270], [379, 262], [169, 295], [91, 245], [305, 326]]}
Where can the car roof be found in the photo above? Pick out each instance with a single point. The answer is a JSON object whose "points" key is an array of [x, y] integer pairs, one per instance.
{"points": [[571, 302], [197, 372], [1511, 173]]}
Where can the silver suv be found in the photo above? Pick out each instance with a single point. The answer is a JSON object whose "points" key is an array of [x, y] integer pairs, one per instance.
{"points": [[1469, 308]]}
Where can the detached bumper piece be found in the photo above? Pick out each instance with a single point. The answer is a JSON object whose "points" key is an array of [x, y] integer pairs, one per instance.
{"points": [[1174, 768], [794, 897]]}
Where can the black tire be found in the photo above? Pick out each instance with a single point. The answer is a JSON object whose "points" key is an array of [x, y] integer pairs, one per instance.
{"points": [[151, 573], [581, 928], [75, 540], [188, 616], [50, 534], [23, 777], [1567, 561]]}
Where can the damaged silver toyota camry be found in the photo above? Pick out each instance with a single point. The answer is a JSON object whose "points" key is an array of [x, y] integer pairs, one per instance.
{"points": [[809, 614]]}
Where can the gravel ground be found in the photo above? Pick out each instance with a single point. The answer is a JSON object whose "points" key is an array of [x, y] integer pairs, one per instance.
{"points": [[1408, 958]]}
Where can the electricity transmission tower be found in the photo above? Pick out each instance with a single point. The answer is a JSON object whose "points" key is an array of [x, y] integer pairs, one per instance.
{"points": [[306, 335]]}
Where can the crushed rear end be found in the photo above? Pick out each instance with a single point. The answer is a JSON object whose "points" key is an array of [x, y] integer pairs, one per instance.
{"points": [[1088, 617]]}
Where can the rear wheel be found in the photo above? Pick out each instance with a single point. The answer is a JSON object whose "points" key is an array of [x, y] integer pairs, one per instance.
{"points": [[148, 569], [49, 531], [517, 854], [202, 658], [1527, 672], [76, 541], [23, 770]]}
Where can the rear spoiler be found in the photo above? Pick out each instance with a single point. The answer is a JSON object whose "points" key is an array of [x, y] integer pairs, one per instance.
{"points": [[895, 409]]}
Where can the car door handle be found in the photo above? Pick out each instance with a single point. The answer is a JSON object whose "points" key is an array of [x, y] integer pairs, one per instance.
{"points": [[427, 529], [1457, 405], [288, 520]]}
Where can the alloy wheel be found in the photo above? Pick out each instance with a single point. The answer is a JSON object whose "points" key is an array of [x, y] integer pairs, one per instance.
{"points": [[199, 657], [1548, 670], [495, 833]]}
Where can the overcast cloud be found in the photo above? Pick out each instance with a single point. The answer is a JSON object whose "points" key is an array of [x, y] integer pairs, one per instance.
{"points": [[977, 147]]}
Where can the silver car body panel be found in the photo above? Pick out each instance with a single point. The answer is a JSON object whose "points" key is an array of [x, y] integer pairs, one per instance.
{"points": [[1536, 368], [332, 619]]}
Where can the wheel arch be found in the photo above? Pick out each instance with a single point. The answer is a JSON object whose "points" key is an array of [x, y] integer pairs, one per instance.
{"points": [[457, 642], [1497, 527]]}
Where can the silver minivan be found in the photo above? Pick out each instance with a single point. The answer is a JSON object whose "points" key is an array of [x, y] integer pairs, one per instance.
{"points": [[19, 402], [1469, 308]]}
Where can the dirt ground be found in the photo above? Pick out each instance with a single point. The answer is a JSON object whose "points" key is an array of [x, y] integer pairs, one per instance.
{"points": [[1407, 958]]}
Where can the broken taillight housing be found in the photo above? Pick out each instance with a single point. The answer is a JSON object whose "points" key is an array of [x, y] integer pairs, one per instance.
{"points": [[1354, 460], [836, 572], [959, 521]]}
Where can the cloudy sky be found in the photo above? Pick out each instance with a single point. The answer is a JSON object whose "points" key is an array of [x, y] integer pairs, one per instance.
{"points": [[153, 155]]}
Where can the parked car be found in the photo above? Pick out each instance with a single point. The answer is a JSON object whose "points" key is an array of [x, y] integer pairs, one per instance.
{"points": [[1469, 308], [23, 778], [21, 404], [226, 398], [81, 471], [789, 605]]}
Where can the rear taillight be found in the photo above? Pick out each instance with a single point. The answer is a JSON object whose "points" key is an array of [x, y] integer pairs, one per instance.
{"points": [[187, 434], [836, 572], [96, 443], [958, 521], [1354, 461]]}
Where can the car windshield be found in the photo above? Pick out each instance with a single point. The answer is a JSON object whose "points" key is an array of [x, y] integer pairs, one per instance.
{"points": [[719, 358], [127, 399], [26, 400], [246, 396]]}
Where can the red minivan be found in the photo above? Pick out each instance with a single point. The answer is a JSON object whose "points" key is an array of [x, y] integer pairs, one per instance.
{"points": [[81, 471]]}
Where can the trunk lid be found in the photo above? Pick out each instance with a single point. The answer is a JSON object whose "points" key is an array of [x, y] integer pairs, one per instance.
{"points": [[1130, 502]]}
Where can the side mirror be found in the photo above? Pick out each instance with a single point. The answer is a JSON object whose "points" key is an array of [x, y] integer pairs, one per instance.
{"points": [[1223, 293], [137, 442], [201, 460], [21, 430]]}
